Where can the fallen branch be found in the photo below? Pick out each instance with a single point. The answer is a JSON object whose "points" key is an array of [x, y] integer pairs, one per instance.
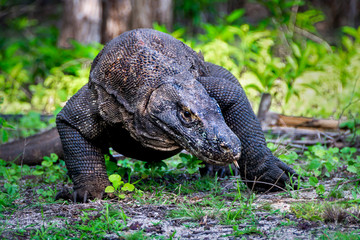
{"points": [[275, 119]]}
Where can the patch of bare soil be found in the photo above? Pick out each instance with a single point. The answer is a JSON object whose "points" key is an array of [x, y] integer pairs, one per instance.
{"points": [[276, 222]]}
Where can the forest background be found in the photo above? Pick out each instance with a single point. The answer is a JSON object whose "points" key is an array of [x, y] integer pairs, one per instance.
{"points": [[304, 53]]}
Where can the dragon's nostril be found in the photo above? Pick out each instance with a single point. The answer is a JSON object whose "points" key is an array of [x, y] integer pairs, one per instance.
{"points": [[224, 147]]}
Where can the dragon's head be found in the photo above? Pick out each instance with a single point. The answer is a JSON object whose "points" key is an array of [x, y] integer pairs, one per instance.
{"points": [[192, 119]]}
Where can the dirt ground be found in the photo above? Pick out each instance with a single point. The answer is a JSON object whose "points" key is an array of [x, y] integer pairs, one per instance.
{"points": [[277, 222]]}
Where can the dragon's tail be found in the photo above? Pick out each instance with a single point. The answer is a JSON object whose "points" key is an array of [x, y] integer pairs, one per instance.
{"points": [[31, 150]]}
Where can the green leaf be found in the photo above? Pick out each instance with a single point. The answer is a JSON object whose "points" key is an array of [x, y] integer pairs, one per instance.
{"points": [[180, 165], [184, 156], [5, 136], [329, 166], [320, 189], [347, 42], [333, 150], [54, 157], [352, 150], [312, 86], [111, 166], [128, 187], [352, 169], [319, 151], [38, 172], [5, 124], [296, 50], [114, 178], [313, 181], [351, 31], [46, 163], [254, 86], [235, 15], [314, 164], [109, 189]]}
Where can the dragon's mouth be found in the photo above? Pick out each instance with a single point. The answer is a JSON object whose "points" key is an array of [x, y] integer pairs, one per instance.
{"points": [[210, 160]]}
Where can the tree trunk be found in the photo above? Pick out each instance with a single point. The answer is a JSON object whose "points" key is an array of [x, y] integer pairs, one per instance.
{"points": [[81, 22], [164, 13], [146, 12], [264, 106], [116, 18], [97, 20]]}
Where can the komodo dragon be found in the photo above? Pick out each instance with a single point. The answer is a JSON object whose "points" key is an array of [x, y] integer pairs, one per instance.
{"points": [[149, 96]]}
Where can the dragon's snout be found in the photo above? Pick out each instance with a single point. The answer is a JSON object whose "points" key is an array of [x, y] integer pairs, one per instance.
{"points": [[223, 149], [230, 152]]}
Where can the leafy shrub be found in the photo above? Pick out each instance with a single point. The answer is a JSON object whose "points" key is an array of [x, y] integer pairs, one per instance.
{"points": [[37, 75], [323, 162], [284, 61]]}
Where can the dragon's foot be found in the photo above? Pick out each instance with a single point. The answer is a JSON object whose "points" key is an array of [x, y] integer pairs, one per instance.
{"points": [[88, 188], [273, 175]]}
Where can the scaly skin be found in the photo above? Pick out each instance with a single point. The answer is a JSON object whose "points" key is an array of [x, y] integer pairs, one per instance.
{"points": [[149, 96]]}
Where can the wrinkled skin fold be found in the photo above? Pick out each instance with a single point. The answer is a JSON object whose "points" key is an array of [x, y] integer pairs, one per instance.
{"points": [[149, 96]]}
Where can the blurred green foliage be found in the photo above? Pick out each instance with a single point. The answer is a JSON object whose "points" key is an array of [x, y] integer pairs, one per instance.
{"points": [[282, 55], [193, 12], [37, 75]]}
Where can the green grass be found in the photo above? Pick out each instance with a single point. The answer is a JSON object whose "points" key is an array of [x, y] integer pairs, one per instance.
{"points": [[195, 198], [335, 212], [355, 235]]}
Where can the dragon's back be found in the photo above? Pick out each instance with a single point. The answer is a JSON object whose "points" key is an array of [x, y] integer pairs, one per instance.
{"points": [[140, 60]]}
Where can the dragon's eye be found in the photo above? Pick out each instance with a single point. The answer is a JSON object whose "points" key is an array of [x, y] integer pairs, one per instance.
{"points": [[187, 116]]}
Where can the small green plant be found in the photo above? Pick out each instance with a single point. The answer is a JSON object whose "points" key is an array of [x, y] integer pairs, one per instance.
{"points": [[118, 186], [323, 162], [111, 216], [309, 211], [287, 222], [202, 184], [289, 157], [232, 216], [355, 193], [244, 231], [353, 164], [5, 127], [7, 199], [12, 172], [189, 163], [353, 125], [48, 193], [314, 182], [95, 224], [49, 171], [122, 167], [157, 168], [139, 235]]}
